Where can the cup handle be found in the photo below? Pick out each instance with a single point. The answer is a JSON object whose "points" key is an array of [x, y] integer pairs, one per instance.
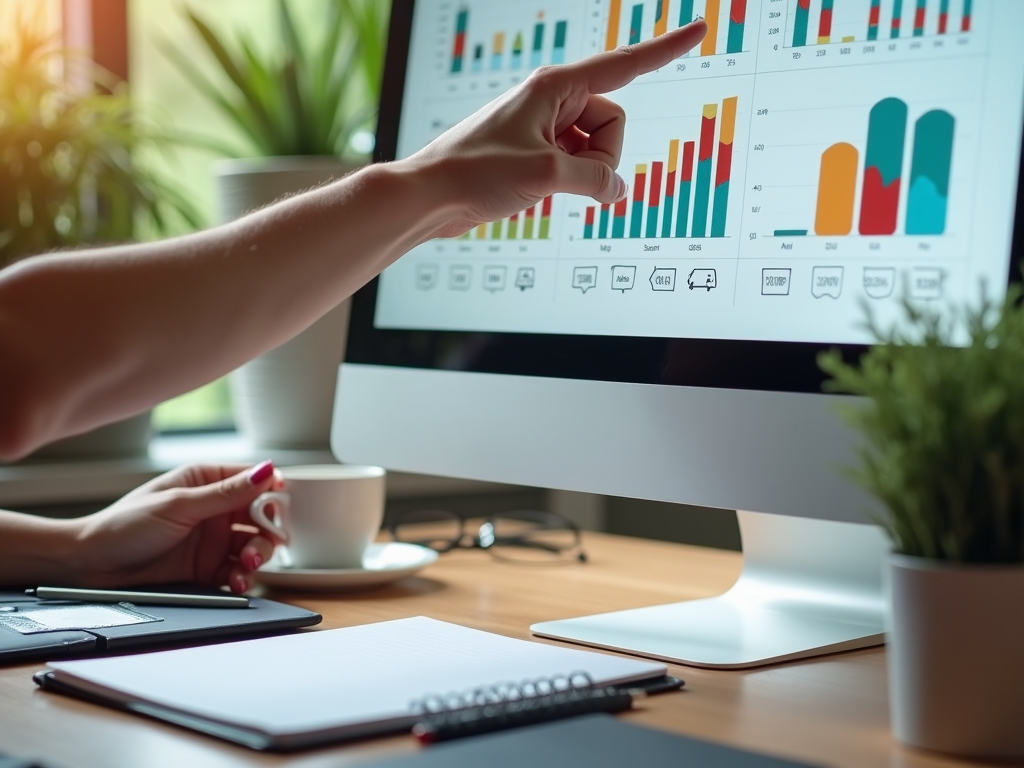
{"points": [[258, 514]]}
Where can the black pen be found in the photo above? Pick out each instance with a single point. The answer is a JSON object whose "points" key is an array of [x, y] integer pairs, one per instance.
{"points": [[139, 598], [487, 718]]}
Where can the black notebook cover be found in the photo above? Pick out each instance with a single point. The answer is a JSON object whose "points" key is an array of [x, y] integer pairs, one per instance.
{"points": [[178, 626], [594, 741]]}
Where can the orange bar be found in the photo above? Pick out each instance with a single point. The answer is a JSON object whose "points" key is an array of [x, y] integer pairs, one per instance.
{"points": [[837, 188], [711, 14], [614, 13], [661, 18]]}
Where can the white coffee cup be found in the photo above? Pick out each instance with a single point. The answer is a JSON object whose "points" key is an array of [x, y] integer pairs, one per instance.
{"points": [[328, 514]]}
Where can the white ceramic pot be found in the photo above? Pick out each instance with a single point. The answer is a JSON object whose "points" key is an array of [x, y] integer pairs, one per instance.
{"points": [[956, 656], [284, 398]]}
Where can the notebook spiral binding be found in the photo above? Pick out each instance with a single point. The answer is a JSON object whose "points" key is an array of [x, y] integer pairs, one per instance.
{"points": [[524, 692]]}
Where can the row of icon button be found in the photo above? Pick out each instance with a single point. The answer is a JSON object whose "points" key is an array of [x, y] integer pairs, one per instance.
{"points": [[460, 277], [661, 279], [926, 283]]}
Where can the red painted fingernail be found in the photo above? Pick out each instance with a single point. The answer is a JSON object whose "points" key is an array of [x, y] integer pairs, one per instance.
{"points": [[261, 472], [240, 584], [257, 561]]}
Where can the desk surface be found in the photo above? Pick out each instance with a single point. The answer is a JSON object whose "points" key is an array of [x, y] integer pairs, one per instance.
{"points": [[832, 711]]}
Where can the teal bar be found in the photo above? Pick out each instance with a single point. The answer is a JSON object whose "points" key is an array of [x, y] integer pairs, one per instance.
{"points": [[721, 205], [897, 18], [791, 233], [588, 231], [685, 13], [637, 220], [666, 225], [652, 221], [619, 227], [602, 227], [558, 53], [683, 219], [702, 199], [538, 45], [929, 173], [636, 24], [803, 12]]}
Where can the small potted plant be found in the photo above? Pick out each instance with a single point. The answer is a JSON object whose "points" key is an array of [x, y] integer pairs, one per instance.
{"points": [[70, 176], [301, 110], [943, 424]]}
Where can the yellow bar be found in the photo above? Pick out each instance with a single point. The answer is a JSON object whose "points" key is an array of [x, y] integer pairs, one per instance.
{"points": [[710, 111], [711, 14], [823, 39], [614, 12], [728, 130], [673, 155], [481, 232], [499, 43], [641, 168], [837, 188], [849, 39], [661, 25]]}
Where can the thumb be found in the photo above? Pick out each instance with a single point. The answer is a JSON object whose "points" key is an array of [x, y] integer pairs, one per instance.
{"points": [[590, 177], [232, 493]]}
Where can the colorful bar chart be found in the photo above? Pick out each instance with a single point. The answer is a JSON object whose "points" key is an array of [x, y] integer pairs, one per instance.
{"points": [[906, 18], [545, 47], [635, 21], [532, 224], [927, 198], [666, 189]]}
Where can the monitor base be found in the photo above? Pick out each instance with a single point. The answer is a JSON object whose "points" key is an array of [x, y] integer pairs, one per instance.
{"points": [[808, 587]]}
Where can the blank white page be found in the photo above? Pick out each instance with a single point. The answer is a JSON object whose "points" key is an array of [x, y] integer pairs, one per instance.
{"points": [[335, 678]]}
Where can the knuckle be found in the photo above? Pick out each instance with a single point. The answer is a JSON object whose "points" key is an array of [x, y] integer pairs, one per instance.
{"points": [[544, 76]]}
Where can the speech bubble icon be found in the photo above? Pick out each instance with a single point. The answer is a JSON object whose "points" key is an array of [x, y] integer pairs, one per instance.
{"points": [[526, 277], [426, 276], [623, 278], [926, 283], [460, 277], [827, 281], [584, 278], [775, 282], [494, 278], [663, 279], [879, 282]]}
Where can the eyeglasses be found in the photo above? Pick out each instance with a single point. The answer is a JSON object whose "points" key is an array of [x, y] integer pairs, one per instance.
{"points": [[523, 536]]}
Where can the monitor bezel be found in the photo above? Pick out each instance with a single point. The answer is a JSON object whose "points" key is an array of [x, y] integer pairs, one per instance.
{"points": [[732, 364]]}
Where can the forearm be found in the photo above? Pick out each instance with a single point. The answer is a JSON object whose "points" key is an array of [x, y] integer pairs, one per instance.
{"points": [[35, 550], [97, 335]]}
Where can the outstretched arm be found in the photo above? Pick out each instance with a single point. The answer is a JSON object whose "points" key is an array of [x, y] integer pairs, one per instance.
{"points": [[93, 336]]}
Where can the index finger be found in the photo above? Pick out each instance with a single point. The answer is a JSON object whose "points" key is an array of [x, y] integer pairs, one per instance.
{"points": [[614, 69]]}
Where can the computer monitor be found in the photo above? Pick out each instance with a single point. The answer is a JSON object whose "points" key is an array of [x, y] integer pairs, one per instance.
{"points": [[809, 158]]}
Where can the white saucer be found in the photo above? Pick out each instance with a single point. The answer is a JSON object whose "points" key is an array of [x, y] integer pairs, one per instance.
{"points": [[382, 564]]}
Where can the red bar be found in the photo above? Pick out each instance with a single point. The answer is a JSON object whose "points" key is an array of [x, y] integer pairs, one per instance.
{"points": [[919, 19], [638, 187], [943, 23], [825, 25], [546, 208], [707, 138], [724, 171], [688, 161], [514, 217], [738, 11], [620, 209], [655, 197], [874, 16], [670, 184], [589, 220], [529, 212], [460, 44], [879, 204], [965, 24]]}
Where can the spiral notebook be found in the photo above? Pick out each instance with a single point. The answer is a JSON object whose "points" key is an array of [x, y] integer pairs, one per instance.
{"points": [[300, 691]]}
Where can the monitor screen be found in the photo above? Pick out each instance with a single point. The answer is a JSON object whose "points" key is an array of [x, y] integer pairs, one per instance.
{"points": [[810, 159]]}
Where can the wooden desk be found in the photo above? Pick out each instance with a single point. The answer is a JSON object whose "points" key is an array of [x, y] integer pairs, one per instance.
{"points": [[831, 711]]}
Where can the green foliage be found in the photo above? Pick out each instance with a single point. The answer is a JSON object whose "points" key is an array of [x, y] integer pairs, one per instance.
{"points": [[311, 97], [67, 172], [944, 429]]}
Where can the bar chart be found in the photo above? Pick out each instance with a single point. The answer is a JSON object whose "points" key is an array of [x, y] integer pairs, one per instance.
{"points": [[476, 48], [683, 194], [630, 21], [532, 224], [822, 22], [880, 186]]}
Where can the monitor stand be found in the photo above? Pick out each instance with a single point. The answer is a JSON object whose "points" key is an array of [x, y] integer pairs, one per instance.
{"points": [[808, 587]]}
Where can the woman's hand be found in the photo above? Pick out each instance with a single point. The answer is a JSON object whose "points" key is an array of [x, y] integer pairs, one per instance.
{"points": [[191, 524], [553, 133]]}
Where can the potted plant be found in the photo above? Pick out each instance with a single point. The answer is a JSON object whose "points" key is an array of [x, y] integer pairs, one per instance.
{"points": [[299, 110], [943, 424], [69, 176]]}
